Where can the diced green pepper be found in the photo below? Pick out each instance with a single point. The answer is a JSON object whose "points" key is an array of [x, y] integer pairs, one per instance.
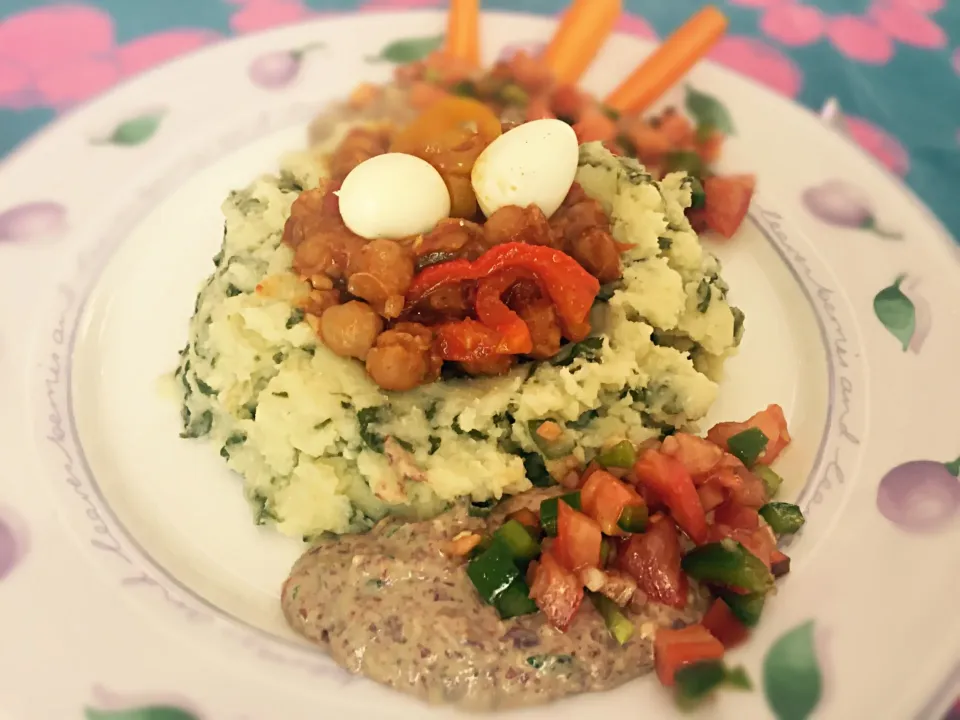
{"points": [[747, 446], [746, 608], [621, 455], [518, 541], [686, 161], [770, 479], [698, 198], [737, 678], [619, 625], [515, 600], [551, 449], [464, 88], [606, 549], [693, 683], [783, 518], [536, 470], [513, 94], [493, 571], [549, 510], [633, 518], [728, 563]]}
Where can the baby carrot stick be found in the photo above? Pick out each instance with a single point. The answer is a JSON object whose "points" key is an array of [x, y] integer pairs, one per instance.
{"points": [[584, 28], [463, 31], [669, 62]]}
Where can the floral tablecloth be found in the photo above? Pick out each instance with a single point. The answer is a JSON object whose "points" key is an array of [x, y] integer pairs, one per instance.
{"points": [[894, 65]]}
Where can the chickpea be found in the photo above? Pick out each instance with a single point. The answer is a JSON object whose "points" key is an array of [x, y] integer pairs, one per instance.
{"points": [[381, 273], [516, 224], [572, 221], [541, 317], [404, 358], [597, 252], [350, 330], [493, 365]]}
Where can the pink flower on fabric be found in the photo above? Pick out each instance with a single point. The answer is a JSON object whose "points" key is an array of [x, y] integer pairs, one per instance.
{"points": [[859, 39], [879, 143], [762, 62], [635, 25], [870, 38], [956, 60], [793, 24], [44, 38], [60, 55]]}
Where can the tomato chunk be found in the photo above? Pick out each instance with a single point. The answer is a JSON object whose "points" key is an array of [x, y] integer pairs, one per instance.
{"points": [[653, 560], [698, 455], [603, 498], [734, 515], [578, 539], [673, 649], [723, 624], [556, 591], [759, 542], [593, 125], [728, 200], [741, 486], [669, 479], [770, 421]]}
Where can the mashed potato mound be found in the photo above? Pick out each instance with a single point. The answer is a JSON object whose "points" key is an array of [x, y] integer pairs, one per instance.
{"points": [[322, 448]]}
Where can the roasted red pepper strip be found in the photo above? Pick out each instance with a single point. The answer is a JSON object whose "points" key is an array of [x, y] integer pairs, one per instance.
{"points": [[493, 312], [466, 340], [430, 278], [572, 289]]}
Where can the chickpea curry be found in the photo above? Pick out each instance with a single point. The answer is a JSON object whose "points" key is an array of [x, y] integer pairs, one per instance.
{"points": [[494, 274]]}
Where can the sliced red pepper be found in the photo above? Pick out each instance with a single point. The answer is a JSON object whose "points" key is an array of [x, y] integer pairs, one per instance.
{"points": [[571, 288], [653, 560], [578, 539], [432, 277], [466, 340], [514, 334], [724, 625], [673, 649], [556, 590], [669, 479]]}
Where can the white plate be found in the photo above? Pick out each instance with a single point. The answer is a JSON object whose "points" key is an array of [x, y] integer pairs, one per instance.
{"points": [[130, 575]]}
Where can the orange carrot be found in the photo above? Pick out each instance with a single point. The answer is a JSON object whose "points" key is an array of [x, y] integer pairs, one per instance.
{"points": [[583, 30], [463, 31], [669, 62]]}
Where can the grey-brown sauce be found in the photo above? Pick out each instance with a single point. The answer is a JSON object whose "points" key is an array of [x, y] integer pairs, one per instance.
{"points": [[392, 606]]}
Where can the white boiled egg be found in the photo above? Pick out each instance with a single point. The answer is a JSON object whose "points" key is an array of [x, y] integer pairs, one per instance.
{"points": [[533, 164], [393, 196]]}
